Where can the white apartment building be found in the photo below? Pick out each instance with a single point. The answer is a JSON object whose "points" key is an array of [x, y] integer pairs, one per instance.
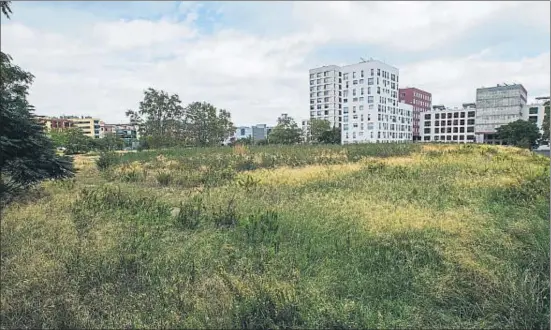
{"points": [[535, 112], [451, 125], [325, 90], [496, 106], [305, 129], [370, 108]]}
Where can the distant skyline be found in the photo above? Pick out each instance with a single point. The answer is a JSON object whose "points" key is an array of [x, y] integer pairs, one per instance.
{"points": [[252, 58]]}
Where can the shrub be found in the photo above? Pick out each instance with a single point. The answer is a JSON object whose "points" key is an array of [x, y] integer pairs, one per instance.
{"points": [[164, 178], [106, 160], [190, 213]]}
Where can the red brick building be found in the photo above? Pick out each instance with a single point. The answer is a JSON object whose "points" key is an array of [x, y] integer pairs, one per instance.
{"points": [[421, 102]]}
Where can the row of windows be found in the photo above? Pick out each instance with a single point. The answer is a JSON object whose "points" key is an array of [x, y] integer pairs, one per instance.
{"points": [[450, 138], [422, 96], [437, 130], [384, 135], [455, 122], [325, 74], [458, 114]]}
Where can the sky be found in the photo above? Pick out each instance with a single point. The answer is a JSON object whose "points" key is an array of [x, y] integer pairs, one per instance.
{"points": [[252, 58]]}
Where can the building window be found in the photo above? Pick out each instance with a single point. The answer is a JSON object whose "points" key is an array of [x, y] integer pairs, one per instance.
{"points": [[533, 111], [361, 81], [370, 99], [471, 114], [354, 82], [369, 80], [470, 121], [379, 72], [427, 116]]}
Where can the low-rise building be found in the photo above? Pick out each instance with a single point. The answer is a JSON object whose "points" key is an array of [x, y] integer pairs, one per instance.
{"points": [[452, 125]]}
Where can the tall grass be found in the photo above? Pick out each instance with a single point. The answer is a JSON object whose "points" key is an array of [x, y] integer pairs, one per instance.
{"points": [[379, 236]]}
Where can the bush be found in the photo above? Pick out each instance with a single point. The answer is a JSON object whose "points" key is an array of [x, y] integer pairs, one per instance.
{"points": [[163, 178], [106, 160]]}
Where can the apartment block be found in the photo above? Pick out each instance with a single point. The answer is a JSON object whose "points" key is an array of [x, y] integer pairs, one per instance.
{"points": [[496, 106], [421, 102], [50, 123], [325, 94], [451, 125], [371, 111]]}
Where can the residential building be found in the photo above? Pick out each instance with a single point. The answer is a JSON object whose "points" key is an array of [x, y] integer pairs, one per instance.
{"points": [[421, 102], [243, 132], [325, 94], [535, 112], [452, 125], [50, 123], [371, 111], [496, 106], [305, 130], [256, 132], [89, 126]]}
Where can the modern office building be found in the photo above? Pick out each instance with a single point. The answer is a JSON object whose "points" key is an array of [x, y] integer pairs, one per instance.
{"points": [[451, 125], [421, 102], [371, 111], [325, 94], [496, 106]]}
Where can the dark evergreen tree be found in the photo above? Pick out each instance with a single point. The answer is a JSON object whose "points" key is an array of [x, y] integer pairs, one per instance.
{"points": [[27, 155]]}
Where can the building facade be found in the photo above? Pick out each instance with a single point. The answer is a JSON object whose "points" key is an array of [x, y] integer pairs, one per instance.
{"points": [[421, 101], [535, 112], [496, 106], [50, 123], [371, 111], [450, 125], [325, 94]]}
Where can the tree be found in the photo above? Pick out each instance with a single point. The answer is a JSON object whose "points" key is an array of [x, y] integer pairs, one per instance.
{"points": [[159, 118], [207, 126], [520, 133], [317, 128], [285, 132], [545, 136], [27, 155], [109, 142], [76, 142], [332, 136]]}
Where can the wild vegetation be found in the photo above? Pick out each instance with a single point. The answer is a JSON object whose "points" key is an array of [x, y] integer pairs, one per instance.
{"points": [[364, 236]]}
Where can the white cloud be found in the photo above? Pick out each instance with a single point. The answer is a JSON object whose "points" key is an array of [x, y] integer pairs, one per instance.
{"points": [[453, 81], [103, 70]]}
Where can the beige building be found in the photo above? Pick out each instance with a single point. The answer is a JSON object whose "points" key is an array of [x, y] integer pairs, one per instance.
{"points": [[89, 126]]}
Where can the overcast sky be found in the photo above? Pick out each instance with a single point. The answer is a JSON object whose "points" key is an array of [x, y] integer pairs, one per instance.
{"points": [[252, 58]]}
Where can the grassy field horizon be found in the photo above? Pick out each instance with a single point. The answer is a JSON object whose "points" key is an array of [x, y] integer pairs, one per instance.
{"points": [[360, 236]]}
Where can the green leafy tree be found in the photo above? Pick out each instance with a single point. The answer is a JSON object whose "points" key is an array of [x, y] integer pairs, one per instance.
{"points": [[333, 136], [109, 142], [207, 126], [285, 132], [27, 155], [545, 136], [77, 142], [520, 133], [159, 118], [317, 128]]}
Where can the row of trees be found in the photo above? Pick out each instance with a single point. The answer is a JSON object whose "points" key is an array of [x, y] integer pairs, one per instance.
{"points": [[164, 122], [74, 141], [287, 132]]}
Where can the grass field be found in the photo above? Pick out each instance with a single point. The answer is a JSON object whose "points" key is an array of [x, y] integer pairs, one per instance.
{"points": [[372, 236]]}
